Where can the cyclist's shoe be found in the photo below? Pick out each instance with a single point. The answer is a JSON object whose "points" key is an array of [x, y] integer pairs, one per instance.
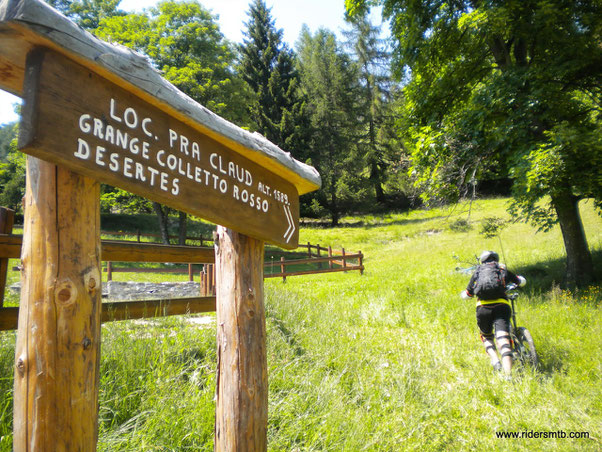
{"points": [[497, 367]]}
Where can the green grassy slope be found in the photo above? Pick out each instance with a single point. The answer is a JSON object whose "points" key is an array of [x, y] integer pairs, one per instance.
{"points": [[387, 361]]}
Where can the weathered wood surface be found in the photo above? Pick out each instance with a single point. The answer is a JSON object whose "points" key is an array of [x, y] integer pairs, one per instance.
{"points": [[313, 272], [147, 252], [57, 352], [242, 382], [108, 134], [28, 23], [130, 310], [10, 247], [7, 219]]}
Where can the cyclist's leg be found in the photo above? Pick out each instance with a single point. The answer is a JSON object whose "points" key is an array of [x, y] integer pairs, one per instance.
{"points": [[485, 323], [502, 335]]}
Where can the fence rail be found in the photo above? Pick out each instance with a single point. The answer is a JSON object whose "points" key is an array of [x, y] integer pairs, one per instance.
{"points": [[144, 252]]}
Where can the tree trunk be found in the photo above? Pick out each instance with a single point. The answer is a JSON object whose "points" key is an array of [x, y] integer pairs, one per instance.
{"points": [[241, 412], [182, 229], [57, 352], [163, 225], [579, 266]]}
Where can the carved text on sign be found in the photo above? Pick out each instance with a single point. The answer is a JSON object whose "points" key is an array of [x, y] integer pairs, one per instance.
{"points": [[114, 136]]}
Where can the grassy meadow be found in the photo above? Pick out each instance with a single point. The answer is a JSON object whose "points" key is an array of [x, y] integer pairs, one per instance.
{"points": [[387, 361]]}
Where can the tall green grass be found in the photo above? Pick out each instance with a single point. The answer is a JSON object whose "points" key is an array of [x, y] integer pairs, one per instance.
{"points": [[387, 361]]}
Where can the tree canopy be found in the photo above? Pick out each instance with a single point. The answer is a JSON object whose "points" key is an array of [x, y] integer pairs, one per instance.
{"points": [[508, 88]]}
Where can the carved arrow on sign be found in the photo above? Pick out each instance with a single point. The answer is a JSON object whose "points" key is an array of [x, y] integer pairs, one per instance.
{"points": [[291, 224]]}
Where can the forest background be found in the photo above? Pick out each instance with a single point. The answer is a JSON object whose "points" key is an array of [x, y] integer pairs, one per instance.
{"points": [[464, 99]]}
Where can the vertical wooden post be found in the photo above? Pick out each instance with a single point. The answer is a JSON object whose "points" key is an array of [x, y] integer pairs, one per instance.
{"points": [[7, 220], [319, 255], [58, 341], [330, 256], [309, 249], [344, 259], [190, 277], [138, 234], [203, 281], [361, 262], [242, 383], [211, 279], [283, 268], [109, 271]]}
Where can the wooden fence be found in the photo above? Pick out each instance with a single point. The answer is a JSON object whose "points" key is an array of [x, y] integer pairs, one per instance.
{"points": [[10, 248], [330, 262], [325, 260], [139, 235]]}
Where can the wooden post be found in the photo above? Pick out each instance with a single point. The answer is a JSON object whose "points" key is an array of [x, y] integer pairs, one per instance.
{"points": [[138, 234], [210, 279], [330, 256], [242, 383], [361, 262], [319, 255], [58, 341], [7, 220], [203, 282], [309, 249], [109, 271], [190, 277], [344, 260]]}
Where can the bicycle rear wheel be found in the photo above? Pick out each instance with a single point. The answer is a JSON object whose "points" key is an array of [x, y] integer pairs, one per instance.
{"points": [[526, 347]]}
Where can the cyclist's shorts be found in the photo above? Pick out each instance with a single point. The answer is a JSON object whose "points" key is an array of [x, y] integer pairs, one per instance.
{"points": [[491, 315]]}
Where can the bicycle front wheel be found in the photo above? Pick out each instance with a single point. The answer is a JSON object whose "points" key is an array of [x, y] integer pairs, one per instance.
{"points": [[526, 347]]}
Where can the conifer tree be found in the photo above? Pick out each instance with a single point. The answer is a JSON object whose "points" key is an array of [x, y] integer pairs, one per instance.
{"points": [[268, 66]]}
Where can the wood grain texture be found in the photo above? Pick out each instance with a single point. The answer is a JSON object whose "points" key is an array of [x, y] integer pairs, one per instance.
{"points": [[79, 120], [242, 381], [7, 219], [10, 247], [129, 310], [35, 23], [58, 341]]}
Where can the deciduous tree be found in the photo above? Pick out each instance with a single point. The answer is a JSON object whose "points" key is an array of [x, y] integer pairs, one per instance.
{"points": [[512, 85]]}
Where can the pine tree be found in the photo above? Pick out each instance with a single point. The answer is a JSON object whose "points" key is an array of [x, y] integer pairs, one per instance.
{"points": [[268, 66], [329, 84], [374, 101]]}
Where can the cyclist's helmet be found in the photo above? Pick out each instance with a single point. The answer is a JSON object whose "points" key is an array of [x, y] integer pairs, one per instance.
{"points": [[489, 256]]}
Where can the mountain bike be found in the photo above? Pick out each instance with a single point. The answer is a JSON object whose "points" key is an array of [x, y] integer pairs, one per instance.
{"points": [[523, 347]]}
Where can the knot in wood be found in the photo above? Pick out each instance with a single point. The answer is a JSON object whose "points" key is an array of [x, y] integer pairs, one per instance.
{"points": [[21, 366], [66, 293], [86, 343]]}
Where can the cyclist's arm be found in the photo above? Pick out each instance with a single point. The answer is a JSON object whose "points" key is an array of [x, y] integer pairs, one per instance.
{"points": [[514, 279], [471, 285]]}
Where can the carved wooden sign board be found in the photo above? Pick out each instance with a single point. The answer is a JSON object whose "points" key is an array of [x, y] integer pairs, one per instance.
{"points": [[75, 118]]}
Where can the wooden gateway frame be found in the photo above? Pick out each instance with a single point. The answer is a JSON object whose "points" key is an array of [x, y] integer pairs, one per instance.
{"points": [[92, 113]]}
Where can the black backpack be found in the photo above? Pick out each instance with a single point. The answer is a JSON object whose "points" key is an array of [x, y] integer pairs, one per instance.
{"points": [[490, 283]]}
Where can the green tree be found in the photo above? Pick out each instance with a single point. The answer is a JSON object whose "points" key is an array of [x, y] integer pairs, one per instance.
{"points": [[329, 85], [184, 42], [8, 132], [506, 86], [268, 67], [374, 101], [12, 169], [87, 13]]}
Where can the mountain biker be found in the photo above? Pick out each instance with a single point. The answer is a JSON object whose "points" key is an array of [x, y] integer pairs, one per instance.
{"points": [[488, 283]]}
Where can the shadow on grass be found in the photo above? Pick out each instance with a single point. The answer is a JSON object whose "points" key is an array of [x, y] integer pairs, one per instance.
{"points": [[287, 335], [323, 224], [546, 275]]}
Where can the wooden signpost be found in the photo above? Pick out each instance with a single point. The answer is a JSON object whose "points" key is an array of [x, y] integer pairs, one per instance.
{"points": [[95, 113], [78, 120]]}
